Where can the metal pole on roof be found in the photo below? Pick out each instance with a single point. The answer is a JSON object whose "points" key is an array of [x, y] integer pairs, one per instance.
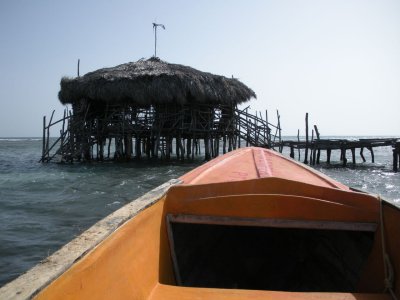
{"points": [[155, 36]]}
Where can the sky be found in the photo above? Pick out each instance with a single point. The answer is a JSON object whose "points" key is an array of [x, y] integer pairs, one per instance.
{"points": [[338, 60]]}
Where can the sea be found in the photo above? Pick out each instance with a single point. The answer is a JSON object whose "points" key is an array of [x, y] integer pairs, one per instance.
{"points": [[45, 205]]}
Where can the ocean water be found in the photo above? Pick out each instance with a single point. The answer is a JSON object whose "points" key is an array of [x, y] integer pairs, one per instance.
{"points": [[43, 206]]}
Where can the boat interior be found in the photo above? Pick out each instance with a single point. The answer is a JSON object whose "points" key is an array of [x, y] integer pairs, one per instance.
{"points": [[268, 238]]}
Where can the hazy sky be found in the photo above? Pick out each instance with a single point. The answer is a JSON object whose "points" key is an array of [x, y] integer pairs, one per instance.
{"points": [[339, 60]]}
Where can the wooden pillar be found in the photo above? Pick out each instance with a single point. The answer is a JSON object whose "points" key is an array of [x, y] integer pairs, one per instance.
{"points": [[291, 151], [372, 154], [306, 154], [312, 152], [109, 147], [147, 141], [101, 152], [128, 147], [177, 149], [188, 147], [353, 155], [207, 148], [168, 147], [395, 159], [398, 152], [343, 155], [224, 144], [198, 143], [181, 148], [211, 147], [193, 146], [138, 148], [328, 155], [44, 138], [298, 140], [362, 154]]}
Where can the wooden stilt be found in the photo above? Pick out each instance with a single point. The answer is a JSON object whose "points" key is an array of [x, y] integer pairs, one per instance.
{"points": [[362, 154], [353, 155], [306, 150], [328, 156]]}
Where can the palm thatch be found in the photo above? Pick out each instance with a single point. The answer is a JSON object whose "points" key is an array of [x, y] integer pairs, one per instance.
{"points": [[153, 81]]}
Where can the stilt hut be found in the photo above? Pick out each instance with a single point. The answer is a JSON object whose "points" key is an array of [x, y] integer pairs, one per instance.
{"points": [[149, 108]]}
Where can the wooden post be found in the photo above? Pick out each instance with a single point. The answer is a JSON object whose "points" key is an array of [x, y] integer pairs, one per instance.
{"points": [[306, 154], [362, 154], [247, 130], [207, 148], [328, 156], [63, 135], [138, 148], [280, 131], [188, 147], [193, 146], [353, 155], [314, 150], [317, 144], [168, 148], [44, 138], [128, 147], [177, 149], [372, 154], [101, 155], [109, 147], [395, 159], [298, 140], [316, 131], [291, 151], [343, 155]]}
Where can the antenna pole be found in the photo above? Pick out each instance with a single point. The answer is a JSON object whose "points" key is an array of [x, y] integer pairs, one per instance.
{"points": [[155, 36], [155, 41]]}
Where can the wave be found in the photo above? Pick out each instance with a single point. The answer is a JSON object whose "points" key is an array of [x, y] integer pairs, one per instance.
{"points": [[19, 139]]}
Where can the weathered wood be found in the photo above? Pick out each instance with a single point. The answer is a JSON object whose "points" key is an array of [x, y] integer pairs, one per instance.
{"points": [[153, 130], [353, 155], [292, 152], [306, 149], [328, 155], [372, 154], [298, 139], [343, 156], [44, 139], [362, 154]]}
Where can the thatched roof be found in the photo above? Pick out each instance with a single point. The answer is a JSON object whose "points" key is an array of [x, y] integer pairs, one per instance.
{"points": [[153, 81]]}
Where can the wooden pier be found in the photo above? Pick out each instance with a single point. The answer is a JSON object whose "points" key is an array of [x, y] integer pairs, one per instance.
{"points": [[343, 145], [318, 144]]}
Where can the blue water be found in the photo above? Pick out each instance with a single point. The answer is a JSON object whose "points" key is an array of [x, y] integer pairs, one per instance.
{"points": [[43, 206]]}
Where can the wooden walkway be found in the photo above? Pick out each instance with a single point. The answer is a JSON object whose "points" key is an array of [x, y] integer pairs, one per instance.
{"points": [[316, 146]]}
